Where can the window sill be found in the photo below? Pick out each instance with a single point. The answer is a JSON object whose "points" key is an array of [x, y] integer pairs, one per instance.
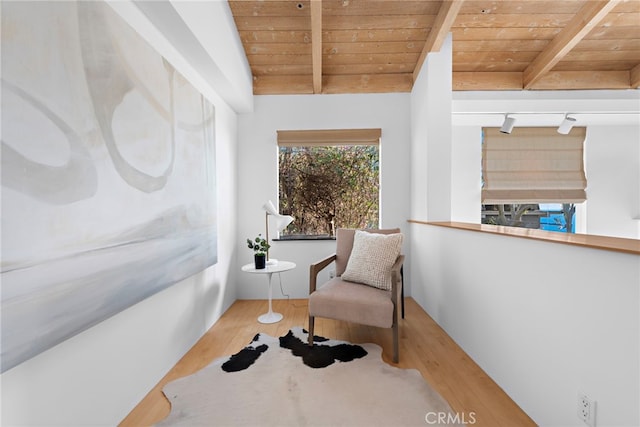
{"points": [[303, 238], [617, 244]]}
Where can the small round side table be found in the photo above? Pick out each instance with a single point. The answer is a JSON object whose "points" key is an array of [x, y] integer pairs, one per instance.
{"points": [[270, 316]]}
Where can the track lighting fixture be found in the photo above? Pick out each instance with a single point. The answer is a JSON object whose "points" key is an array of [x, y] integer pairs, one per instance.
{"points": [[566, 125], [507, 125]]}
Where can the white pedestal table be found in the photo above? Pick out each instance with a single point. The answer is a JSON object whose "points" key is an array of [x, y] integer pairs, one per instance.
{"points": [[270, 316]]}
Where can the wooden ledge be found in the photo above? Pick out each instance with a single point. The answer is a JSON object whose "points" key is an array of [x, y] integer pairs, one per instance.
{"points": [[617, 244]]}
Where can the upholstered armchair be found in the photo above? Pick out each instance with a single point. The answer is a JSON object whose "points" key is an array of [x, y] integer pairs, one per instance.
{"points": [[367, 284]]}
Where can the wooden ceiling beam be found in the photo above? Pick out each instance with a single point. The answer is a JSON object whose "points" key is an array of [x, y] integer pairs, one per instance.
{"points": [[634, 77], [333, 84], [579, 26], [441, 27], [282, 85], [555, 80], [463, 80], [316, 44], [368, 83], [583, 80]]}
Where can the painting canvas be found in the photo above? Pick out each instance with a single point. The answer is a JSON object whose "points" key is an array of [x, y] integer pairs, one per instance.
{"points": [[108, 173]]}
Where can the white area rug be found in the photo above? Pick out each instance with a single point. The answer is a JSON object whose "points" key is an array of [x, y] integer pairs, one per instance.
{"points": [[278, 389]]}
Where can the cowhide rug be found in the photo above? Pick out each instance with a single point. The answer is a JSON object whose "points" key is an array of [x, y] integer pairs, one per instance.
{"points": [[284, 382]]}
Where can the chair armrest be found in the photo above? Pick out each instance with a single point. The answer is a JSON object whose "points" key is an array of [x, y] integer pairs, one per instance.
{"points": [[315, 268], [396, 277]]}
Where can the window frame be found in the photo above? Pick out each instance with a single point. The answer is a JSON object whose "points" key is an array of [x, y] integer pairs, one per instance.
{"points": [[326, 138]]}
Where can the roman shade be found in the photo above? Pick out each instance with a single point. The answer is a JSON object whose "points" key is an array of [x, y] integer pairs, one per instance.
{"points": [[324, 137], [533, 165]]}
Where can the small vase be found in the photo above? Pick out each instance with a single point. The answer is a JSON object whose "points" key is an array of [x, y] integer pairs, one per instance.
{"points": [[260, 261]]}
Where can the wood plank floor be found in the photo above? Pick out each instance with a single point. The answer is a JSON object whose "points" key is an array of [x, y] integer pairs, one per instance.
{"points": [[423, 346]]}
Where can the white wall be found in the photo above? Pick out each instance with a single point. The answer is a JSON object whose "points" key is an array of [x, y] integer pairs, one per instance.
{"points": [[98, 376], [613, 175], [258, 169], [544, 320], [205, 35], [466, 174], [431, 147]]}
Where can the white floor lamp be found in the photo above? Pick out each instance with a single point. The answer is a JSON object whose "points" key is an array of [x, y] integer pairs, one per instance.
{"points": [[281, 222]]}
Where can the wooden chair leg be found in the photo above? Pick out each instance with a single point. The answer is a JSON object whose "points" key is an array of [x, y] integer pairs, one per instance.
{"points": [[402, 289], [311, 321], [396, 355]]}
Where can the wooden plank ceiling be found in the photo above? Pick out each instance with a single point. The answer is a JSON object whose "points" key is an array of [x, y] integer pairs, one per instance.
{"points": [[376, 46]]}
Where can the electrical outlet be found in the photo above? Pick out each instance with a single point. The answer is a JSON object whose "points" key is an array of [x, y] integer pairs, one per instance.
{"points": [[587, 410], [332, 274]]}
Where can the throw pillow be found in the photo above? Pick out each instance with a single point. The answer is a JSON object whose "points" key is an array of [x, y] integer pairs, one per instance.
{"points": [[372, 257]]}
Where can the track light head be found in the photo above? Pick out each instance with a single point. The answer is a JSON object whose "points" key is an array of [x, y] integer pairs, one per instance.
{"points": [[567, 124], [507, 125]]}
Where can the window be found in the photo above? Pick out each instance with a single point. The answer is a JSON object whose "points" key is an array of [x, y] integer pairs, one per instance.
{"points": [[543, 216], [328, 179], [532, 178]]}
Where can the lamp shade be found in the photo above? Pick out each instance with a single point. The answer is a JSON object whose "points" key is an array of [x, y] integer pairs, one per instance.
{"points": [[268, 206], [281, 221]]}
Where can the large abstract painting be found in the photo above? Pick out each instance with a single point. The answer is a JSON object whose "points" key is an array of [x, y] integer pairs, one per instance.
{"points": [[108, 173]]}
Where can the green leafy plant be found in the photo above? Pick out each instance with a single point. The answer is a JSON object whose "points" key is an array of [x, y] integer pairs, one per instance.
{"points": [[259, 245]]}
